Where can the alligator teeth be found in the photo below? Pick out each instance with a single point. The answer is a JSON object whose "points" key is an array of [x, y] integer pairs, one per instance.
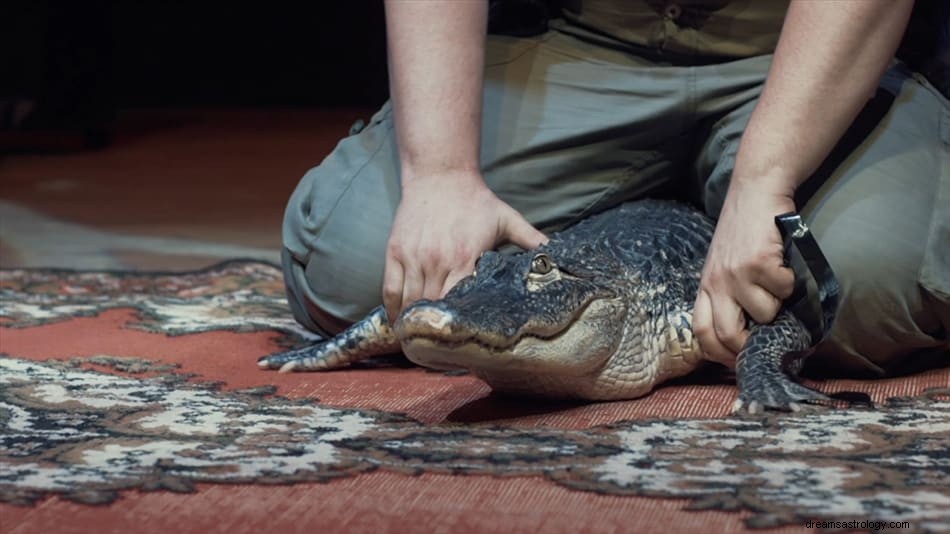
{"points": [[455, 343]]}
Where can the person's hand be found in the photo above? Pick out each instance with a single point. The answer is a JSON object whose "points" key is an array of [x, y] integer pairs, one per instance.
{"points": [[443, 223], [744, 272]]}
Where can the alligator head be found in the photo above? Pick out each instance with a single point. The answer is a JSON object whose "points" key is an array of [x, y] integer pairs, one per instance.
{"points": [[545, 314]]}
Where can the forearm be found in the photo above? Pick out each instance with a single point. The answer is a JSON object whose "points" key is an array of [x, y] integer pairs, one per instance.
{"points": [[828, 62], [436, 57]]}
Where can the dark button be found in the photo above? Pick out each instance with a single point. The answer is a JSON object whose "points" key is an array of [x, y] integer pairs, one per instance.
{"points": [[673, 11]]}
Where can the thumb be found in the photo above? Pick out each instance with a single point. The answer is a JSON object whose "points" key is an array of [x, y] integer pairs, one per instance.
{"points": [[516, 229]]}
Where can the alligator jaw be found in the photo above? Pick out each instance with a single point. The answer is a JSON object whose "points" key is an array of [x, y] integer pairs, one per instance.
{"points": [[441, 327], [431, 339]]}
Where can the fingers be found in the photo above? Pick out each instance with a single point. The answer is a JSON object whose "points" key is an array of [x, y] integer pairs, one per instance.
{"points": [[720, 314], [428, 263], [761, 305], [744, 275], [705, 331], [777, 279], [766, 285], [719, 325], [413, 286], [520, 232], [719, 317], [729, 323], [404, 285], [406, 281], [434, 282], [393, 281]]}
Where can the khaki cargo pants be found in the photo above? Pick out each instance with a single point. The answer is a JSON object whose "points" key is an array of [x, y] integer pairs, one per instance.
{"points": [[571, 128]]}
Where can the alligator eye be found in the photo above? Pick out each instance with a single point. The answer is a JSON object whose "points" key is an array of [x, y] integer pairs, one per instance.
{"points": [[541, 264]]}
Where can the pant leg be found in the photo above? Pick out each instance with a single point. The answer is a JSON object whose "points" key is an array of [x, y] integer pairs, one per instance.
{"points": [[881, 223], [569, 129]]}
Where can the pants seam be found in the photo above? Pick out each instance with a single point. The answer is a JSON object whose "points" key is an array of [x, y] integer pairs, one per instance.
{"points": [[349, 185], [536, 44]]}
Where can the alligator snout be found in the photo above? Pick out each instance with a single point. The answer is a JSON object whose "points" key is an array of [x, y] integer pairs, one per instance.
{"points": [[427, 319]]}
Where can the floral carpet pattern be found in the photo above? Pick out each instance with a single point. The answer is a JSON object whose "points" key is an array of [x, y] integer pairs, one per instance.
{"points": [[88, 429], [235, 295]]}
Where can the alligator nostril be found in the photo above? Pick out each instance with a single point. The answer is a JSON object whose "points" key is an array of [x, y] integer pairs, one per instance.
{"points": [[424, 318]]}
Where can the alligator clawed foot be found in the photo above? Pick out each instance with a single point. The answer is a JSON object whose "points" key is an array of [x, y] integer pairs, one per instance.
{"points": [[303, 359], [288, 367], [777, 394], [312, 358], [276, 361]]}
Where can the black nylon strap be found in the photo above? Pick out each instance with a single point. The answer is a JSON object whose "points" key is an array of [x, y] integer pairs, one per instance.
{"points": [[803, 254]]}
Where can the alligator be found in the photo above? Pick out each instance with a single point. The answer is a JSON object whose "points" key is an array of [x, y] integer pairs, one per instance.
{"points": [[600, 312]]}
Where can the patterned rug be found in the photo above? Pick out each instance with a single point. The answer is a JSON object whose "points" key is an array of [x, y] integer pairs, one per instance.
{"points": [[118, 384]]}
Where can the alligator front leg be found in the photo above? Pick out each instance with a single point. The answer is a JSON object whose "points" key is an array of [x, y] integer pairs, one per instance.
{"points": [[768, 363], [370, 337]]}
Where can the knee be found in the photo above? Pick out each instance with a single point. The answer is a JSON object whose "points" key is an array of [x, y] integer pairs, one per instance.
{"points": [[335, 240], [304, 302], [883, 314], [339, 269], [330, 287], [337, 223]]}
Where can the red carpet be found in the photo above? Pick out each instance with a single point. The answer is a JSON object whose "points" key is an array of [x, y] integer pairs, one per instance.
{"points": [[132, 402]]}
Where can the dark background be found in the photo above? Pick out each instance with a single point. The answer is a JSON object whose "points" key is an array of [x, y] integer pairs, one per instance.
{"points": [[79, 61]]}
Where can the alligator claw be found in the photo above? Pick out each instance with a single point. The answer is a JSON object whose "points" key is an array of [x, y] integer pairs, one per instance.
{"points": [[281, 359], [776, 394], [367, 338], [767, 364]]}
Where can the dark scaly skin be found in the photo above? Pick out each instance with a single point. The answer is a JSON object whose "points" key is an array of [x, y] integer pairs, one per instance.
{"points": [[609, 321], [372, 336], [782, 345]]}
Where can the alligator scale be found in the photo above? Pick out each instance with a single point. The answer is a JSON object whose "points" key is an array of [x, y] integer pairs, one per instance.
{"points": [[601, 312]]}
